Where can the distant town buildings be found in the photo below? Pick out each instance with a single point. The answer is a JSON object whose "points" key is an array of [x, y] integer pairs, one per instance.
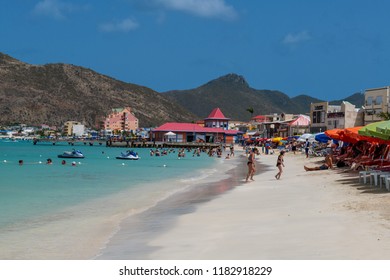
{"points": [[72, 128], [120, 119], [376, 101], [325, 116], [279, 125]]}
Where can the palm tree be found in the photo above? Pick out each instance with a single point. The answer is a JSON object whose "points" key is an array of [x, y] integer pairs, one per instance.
{"points": [[250, 110], [384, 115]]}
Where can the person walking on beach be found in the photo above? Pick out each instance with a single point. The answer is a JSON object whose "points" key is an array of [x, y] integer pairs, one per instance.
{"points": [[280, 165], [294, 147], [231, 150], [307, 145], [251, 164]]}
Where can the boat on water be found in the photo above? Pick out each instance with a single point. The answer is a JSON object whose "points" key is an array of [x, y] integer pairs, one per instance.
{"points": [[129, 155], [72, 154]]}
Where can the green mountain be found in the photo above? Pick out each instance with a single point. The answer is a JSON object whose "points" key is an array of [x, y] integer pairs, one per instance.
{"points": [[356, 99], [56, 93], [234, 96]]}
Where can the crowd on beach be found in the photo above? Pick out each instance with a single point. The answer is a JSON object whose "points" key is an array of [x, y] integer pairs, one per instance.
{"points": [[357, 156], [361, 155]]}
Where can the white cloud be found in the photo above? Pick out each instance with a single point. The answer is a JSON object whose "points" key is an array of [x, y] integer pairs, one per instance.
{"points": [[296, 38], [125, 25], [54, 8], [202, 8]]}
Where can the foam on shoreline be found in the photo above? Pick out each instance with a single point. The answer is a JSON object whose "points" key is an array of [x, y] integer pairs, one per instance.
{"points": [[131, 240]]}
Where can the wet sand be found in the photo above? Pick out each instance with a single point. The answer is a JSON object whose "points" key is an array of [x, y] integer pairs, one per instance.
{"points": [[136, 232]]}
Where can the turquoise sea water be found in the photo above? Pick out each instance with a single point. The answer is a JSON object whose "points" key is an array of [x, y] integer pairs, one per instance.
{"points": [[35, 195]]}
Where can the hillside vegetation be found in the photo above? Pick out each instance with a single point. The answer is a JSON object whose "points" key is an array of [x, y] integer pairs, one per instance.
{"points": [[55, 93]]}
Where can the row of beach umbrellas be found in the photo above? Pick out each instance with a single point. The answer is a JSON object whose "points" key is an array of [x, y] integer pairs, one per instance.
{"points": [[378, 132], [375, 132]]}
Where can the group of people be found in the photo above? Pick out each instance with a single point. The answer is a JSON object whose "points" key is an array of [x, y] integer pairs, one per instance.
{"points": [[49, 161], [252, 152], [251, 163]]}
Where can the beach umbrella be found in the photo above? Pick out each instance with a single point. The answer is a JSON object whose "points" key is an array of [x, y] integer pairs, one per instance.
{"points": [[322, 137], [379, 130], [305, 136], [277, 139], [352, 135], [335, 134]]}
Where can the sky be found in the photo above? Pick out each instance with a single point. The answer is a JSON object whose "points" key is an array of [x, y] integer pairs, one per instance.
{"points": [[325, 49]]}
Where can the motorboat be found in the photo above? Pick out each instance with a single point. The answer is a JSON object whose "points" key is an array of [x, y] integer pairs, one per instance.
{"points": [[129, 155], [72, 154]]}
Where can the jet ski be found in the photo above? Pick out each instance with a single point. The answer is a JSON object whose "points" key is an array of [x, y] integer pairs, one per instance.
{"points": [[129, 155], [72, 154]]}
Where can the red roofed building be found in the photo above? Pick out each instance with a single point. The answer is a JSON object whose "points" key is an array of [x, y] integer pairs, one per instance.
{"points": [[260, 119], [217, 119], [216, 132]]}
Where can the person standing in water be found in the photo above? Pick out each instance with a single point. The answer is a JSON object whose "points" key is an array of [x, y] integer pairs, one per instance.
{"points": [[280, 165]]}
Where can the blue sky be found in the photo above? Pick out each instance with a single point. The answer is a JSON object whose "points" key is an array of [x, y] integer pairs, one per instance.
{"points": [[326, 49]]}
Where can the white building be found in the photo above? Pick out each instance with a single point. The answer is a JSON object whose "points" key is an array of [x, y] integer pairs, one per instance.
{"points": [[325, 116]]}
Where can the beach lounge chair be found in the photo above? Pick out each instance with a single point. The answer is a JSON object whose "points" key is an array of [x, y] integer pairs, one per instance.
{"points": [[376, 177], [372, 174]]}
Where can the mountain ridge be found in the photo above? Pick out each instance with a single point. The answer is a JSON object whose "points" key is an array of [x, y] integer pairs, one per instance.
{"points": [[56, 92], [234, 96]]}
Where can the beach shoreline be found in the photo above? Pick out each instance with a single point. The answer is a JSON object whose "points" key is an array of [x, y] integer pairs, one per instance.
{"points": [[318, 215], [214, 214], [130, 242], [79, 231]]}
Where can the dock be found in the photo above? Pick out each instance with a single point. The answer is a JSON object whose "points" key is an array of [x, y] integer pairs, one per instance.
{"points": [[122, 144]]}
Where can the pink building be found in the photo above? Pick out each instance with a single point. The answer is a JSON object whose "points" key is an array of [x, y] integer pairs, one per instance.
{"points": [[120, 119]]}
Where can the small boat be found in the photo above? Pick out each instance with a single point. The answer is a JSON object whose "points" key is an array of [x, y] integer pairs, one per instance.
{"points": [[129, 155], [72, 154]]}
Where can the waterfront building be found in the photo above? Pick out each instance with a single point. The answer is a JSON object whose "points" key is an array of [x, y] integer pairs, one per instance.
{"points": [[120, 119], [325, 116], [68, 127], [215, 130], [217, 119]]}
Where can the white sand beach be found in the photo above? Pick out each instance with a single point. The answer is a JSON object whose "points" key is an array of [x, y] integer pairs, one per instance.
{"points": [[315, 215]]}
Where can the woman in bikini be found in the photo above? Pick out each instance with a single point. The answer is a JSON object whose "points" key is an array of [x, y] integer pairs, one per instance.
{"points": [[251, 164], [280, 165]]}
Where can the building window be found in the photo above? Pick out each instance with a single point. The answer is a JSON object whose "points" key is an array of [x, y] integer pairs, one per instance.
{"points": [[369, 101], [378, 100], [318, 117], [322, 117]]}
